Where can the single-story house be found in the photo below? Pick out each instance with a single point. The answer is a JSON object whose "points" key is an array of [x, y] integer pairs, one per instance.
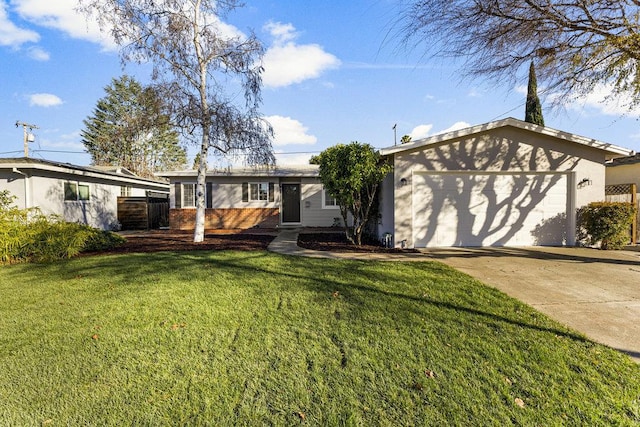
{"points": [[503, 183], [623, 184], [624, 170], [253, 197], [85, 194]]}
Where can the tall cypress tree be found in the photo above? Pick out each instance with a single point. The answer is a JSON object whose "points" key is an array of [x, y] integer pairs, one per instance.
{"points": [[533, 112]]}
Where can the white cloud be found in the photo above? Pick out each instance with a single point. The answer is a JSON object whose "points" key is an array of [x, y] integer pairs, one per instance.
{"points": [[282, 33], [10, 34], [475, 93], [598, 100], [44, 100], [284, 159], [61, 15], [38, 54], [454, 127], [424, 131], [289, 131], [286, 63], [421, 131]]}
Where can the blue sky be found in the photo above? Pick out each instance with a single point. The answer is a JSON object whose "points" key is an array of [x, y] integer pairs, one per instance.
{"points": [[334, 74]]}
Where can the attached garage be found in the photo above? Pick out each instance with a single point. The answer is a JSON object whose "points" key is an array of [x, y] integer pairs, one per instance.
{"points": [[504, 183], [490, 209]]}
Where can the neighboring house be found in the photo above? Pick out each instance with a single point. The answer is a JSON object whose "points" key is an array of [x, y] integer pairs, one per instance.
{"points": [[624, 170], [85, 194], [504, 183], [623, 184], [259, 197]]}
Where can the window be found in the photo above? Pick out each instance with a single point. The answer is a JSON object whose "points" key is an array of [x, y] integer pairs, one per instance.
{"points": [[125, 191], [189, 195], [83, 192], [74, 192], [328, 201], [258, 191]]}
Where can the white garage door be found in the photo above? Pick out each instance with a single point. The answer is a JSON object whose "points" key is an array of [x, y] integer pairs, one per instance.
{"points": [[489, 209]]}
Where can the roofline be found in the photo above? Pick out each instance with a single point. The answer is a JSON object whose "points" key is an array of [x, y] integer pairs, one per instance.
{"points": [[510, 121], [624, 161], [71, 169], [308, 172]]}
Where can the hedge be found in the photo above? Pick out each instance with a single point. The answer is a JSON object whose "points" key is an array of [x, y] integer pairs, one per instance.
{"points": [[607, 223]]}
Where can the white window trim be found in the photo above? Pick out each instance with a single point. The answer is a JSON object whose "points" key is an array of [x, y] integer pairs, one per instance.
{"points": [[77, 186], [183, 193], [127, 190], [258, 183], [324, 201]]}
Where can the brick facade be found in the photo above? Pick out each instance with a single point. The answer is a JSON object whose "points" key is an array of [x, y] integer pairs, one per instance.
{"points": [[232, 218]]}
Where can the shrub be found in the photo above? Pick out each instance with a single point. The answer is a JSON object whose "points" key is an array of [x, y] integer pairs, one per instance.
{"points": [[607, 223], [101, 240], [26, 235]]}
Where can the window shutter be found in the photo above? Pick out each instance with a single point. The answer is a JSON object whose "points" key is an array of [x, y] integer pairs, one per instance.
{"points": [[209, 195], [245, 191], [178, 195], [272, 196]]}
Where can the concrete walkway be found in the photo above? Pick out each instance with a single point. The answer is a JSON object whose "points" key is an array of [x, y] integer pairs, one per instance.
{"points": [[287, 243], [594, 292]]}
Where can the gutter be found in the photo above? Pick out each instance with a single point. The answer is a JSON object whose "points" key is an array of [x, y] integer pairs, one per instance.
{"points": [[27, 187]]}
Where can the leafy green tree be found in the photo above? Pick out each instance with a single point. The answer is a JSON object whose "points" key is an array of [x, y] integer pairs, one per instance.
{"points": [[129, 127], [210, 72], [405, 139], [352, 173], [577, 44], [533, 110]]}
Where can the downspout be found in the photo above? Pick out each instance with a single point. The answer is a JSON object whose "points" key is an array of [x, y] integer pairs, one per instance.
{"points": [[27, 188]]}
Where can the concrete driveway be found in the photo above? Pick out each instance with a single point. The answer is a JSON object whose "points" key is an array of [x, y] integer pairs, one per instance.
{"points": [[592, 291]]}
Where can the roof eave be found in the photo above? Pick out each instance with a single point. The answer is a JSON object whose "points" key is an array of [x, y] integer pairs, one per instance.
{"points": [[85, 172], [610, 149]]}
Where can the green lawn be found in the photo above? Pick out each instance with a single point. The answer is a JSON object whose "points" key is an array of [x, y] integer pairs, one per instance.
{"points": [[253, 338]]}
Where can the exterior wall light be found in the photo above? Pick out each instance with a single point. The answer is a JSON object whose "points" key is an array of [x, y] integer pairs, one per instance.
{"points": [[403, 182], [584, 182]]}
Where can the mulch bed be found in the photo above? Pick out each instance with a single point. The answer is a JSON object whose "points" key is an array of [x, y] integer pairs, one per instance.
{"points": [[337, 242], [158, 242]]}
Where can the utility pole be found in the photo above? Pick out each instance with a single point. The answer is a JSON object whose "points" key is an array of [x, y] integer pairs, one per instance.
{"points": [[395, 139], [27, 136]]}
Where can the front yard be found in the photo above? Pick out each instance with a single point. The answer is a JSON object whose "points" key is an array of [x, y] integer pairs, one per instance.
{"points": [[253, 338]]}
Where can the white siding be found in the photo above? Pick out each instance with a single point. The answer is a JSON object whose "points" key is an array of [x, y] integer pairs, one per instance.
{"points": [[46, 191], [313, 213], [498, 150]]}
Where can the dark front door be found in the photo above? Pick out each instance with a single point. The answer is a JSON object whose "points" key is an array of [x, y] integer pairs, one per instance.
{"points": [[290, 203]]}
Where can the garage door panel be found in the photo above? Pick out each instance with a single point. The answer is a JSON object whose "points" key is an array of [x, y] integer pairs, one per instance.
{"points": [[489, 209]]}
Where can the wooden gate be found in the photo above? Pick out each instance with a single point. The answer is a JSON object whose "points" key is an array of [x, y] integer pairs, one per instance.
{"points": [[625, 193], [143, 213]]}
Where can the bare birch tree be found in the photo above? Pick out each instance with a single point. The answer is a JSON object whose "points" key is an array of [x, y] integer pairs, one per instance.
{"points": [[202, 66], [576, 45]]}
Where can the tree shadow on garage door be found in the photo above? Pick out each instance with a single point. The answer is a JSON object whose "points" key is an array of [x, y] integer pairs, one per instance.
{"points": [[488, 192]]}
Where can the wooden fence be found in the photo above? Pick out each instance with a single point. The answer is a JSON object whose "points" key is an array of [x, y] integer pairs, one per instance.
{"points": [[143, 213], [625, 193]]}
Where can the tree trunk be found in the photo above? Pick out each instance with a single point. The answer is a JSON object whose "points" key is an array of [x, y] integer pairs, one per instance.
{"points": [[198, 235]]}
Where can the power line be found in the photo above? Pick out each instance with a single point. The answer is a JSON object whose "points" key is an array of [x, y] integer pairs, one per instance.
{"points": [[59, 151]]}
